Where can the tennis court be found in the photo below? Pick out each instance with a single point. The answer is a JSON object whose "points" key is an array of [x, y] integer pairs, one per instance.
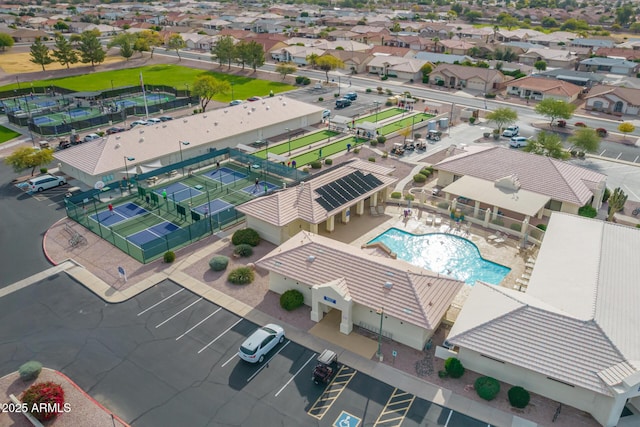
{"points": [[120, 213], [261, 186], [149, 234], [225, 175], [212, 207], [178, 192], [152, 98]]}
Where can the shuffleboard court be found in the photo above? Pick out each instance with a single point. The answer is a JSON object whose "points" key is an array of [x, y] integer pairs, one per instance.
{"points": [[120, 213], [178, 192], [212, 207], [260, 188], [152, 233]]}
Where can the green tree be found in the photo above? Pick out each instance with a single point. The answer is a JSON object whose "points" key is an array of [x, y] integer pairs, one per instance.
{"points": [[255, 55], [6, 41], [555, 109], [242, 53], [29, 157], [224, 50], [510, 22], [616, 202], [147, 41], [91, 50], [285, 68], [40, 53], [61, 26], [64, 53], [125, 42], [626, 127], [329, 63], [206, 87], [472, 15], [547, 144], [313, 60], [624, 14], [176, 42], [586, 140], [502, 117], [540, 65]]}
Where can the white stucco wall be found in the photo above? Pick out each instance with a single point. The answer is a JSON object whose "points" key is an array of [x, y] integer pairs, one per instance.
{"points": [[279, 284], [268, 232]]}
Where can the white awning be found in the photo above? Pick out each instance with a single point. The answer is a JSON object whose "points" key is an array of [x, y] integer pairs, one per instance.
{"points": [[520, 201], [277, 158], [148, 167], [246, 148]]}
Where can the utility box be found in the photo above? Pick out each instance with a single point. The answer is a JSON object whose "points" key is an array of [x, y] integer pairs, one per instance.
{"points": [[444, 123], [432, 125]]}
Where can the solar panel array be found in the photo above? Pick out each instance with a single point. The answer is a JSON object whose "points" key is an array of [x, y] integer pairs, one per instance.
{"points": [[346, 189]]}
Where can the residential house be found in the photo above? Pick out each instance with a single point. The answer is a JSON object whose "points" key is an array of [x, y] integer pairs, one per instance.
{"points": [[27, 36], [392, 51], [594, 44], [354, 62], [437, 58], [555, 58], [295, 54], [352, 287], [619, 52], [539, 88], [555, 39], [572, 336], [483, 80], [609, 66], [399, 67], [580, 78], [614, 100], [456, 47], [519, 35]]}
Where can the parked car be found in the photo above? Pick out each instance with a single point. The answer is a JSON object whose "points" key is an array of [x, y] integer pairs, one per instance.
{"points": [[138, 123], [260, 343], [44, 182], [236, 102], [115, 129], [351, 96], [90, 137], [342, 102], [165, 118], [518, 141], [511, 131], [254, 98], [326, 114], [153, 121]]}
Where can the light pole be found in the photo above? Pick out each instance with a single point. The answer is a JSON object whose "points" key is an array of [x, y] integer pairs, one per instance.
{"points": [[381, 313], [289, 134], [180, 144], [232, 91], [377, 104], [413, 119], [111, 85], [126, 167], [187, 85], [18, 81]]}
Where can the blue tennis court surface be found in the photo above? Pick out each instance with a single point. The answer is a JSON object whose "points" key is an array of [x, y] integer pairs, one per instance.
{"points": [[126, 103], [257, 189], [46, 103], [225, 175], [119, 214], [78, 113], [178, 192], [152, 233], [155, 97], [41, 120], [212, 207]]}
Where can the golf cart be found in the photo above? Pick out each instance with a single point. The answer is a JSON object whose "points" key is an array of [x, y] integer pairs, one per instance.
{"points": [[409, 145], [326, 367], [420, 144], [434, 135], [397, 149]]}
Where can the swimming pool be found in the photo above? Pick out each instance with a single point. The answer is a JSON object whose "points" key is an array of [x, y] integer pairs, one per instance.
{"points": [[445, 254]]}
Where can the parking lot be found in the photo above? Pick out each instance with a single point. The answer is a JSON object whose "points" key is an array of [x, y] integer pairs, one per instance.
{"points": [[169, 357]]}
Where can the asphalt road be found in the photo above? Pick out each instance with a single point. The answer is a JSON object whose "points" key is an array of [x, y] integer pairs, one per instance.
{"points": [[24, 221], [168, 357]]}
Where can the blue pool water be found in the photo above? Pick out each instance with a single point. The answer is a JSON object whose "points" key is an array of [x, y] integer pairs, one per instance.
{"points": [[444, 254]]}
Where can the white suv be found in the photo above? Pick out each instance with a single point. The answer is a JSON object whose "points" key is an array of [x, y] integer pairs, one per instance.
{"points": [[261, 342], [45, 182], [518, 141], [511, 131]]}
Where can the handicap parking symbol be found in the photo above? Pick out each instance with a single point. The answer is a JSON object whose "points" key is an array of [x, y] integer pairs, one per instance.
{"points": [[347, 420]]}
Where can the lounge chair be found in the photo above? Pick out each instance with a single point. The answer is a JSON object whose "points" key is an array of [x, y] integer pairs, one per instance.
{"points": [[526, 276], [499, 240], [380, 209], [522, 282], [373, 211], [491, 237], [438, 221], [429, 220], [531, 259], [529, 264]]}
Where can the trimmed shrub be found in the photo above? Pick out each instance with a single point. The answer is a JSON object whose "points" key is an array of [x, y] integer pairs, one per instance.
{"points": [[306, 81], [385, 154], [498, 221], [169, 257], [605, 195], [356, 150], [219, 263], [389, 92], [490, 95], [368, 90], [246, 235], [241, 276], [316, 164], [30, 370], [409, 196], [487, 387], [381, 139], [518, 397], [388, 104], [320, 99], [472, 120], [48, 393], [44, 170], [291, 299], [335, 95], [299, 79], [419, 178], [417, 135], [372, 159], [542, 227], [454, 367], [443, 374], [396, 195], [373, 142], [516, 226], [328, 161], [588, 211], [243, 250]]}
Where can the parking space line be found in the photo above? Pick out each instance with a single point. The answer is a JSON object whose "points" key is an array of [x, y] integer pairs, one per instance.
{"points": [[332, 392], [219, 336], [199, 323], [190, 305], [396, 409], [448, 418], [161, 301], [294, 375], [265, 364], [228, 360]]}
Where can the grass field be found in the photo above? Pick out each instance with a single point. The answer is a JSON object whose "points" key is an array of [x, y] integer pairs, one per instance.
{"points": [[382, 115], [7, 134], [171, 75], [283, 147]]}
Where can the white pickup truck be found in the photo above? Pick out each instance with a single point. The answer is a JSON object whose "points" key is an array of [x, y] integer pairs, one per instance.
{"points": [[511, 131]]}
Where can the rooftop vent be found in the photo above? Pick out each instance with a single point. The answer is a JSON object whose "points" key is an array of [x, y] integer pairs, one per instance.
{"points": [[407, 310], [185, 121], [267, 107], [205, 116], [388, 285], [118, 145], [311, 258], [141, 131], [388, 273], [141, 140]]}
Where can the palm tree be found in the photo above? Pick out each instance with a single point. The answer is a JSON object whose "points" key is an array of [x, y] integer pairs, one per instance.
{"points": [[435, 43]]}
